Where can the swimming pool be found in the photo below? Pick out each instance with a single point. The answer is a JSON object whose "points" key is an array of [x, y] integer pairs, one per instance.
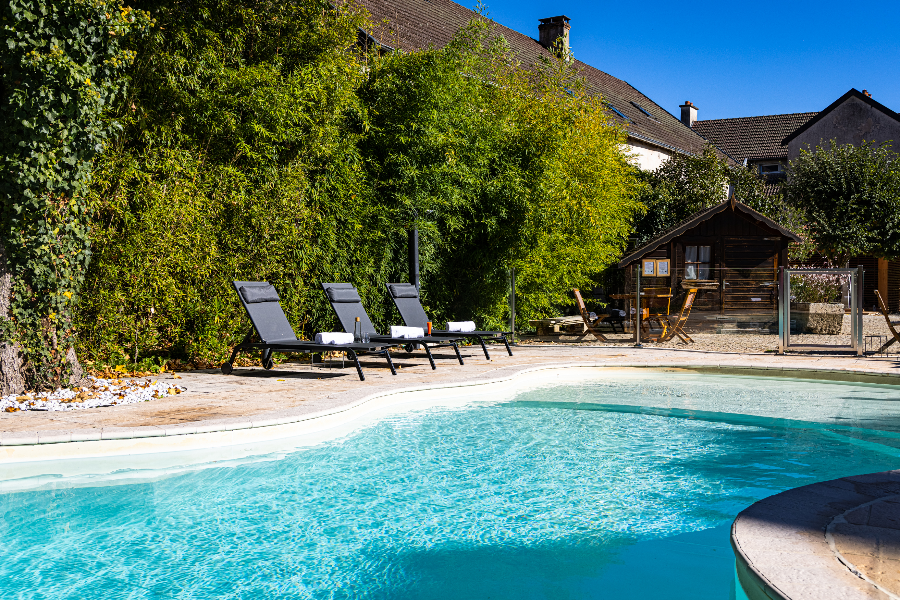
{"points": [[623, 487]]}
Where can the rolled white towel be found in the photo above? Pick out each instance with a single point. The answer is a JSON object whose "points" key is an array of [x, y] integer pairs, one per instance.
{"points": [[334, 337], [398, 331], [461, 326]]}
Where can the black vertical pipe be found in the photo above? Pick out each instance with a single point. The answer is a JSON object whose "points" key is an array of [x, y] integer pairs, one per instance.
{"points": [[413, 250]]}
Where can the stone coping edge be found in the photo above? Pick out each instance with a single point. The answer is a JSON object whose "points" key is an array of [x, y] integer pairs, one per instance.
{"points": [[298, 415], [841, 520], [782, 548]]}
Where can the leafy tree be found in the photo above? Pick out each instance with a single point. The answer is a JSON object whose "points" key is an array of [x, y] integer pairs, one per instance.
{"points": [[519, 168], [61, 63], [238, 160], [686, 184], [256, 146], [850, 196]]}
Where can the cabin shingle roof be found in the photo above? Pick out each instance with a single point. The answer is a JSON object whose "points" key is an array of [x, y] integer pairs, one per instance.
{"points": [[753, 138], [419, 24], [698, 217]]}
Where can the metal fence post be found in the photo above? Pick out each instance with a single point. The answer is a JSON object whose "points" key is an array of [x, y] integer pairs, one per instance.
{"points": [[512, 303], [858, 316], [781, 315], [637, 305]]}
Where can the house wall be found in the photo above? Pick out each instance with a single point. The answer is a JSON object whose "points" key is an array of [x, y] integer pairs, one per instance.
{"points": [[852, 122], [645, 156]]}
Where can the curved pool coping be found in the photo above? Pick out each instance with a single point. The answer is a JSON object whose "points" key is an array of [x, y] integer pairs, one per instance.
{"points": [[784, 545], [207, 434]]}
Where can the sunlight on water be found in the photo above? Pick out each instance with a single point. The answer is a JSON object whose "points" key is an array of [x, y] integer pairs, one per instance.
{"points": [[565, 492]]}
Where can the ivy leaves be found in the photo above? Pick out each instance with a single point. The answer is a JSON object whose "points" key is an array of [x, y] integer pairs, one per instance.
{"points": [[61, 65]]}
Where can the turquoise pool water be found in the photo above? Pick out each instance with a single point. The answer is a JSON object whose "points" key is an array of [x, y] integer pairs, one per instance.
{"points": [[621, 488]]}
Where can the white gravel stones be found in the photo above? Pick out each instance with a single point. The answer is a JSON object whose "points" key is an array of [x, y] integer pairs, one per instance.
{"points": [[97, 393]]}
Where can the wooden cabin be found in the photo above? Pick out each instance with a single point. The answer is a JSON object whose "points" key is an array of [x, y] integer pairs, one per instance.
{"points": [[731, 253]]}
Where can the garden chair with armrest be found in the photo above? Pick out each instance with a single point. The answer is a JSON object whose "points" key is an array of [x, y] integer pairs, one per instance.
{"points": [[591, 324], [677, 328], [406, 298], [262, 304], [890, 324]]}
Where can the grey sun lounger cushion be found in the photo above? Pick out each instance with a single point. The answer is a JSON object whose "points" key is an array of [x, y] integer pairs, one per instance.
{"points": [[403, 290], [343, 295], [259, 293]]}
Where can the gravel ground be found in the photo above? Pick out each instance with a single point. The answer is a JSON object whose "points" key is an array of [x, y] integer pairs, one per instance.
{"points": [[98, 392], [873, 324]]}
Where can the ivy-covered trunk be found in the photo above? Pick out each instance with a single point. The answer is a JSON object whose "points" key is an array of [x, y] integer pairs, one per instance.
{"points": [[11, 379], [60, 66]]}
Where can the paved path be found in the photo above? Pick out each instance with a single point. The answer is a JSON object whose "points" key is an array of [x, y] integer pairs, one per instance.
{"points": [[251, 392]]}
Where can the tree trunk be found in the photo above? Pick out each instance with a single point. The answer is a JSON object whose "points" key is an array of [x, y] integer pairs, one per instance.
{"points": [[11, 379]]}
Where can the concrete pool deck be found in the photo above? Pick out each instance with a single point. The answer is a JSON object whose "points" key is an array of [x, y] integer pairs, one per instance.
{"points": [[254, 405], [252, 396]]}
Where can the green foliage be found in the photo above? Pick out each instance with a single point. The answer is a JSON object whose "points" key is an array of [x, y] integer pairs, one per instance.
{"points": [[850, 196], [686, 184], [523, 172], [238, 162], [60, 65], [257, 147]]}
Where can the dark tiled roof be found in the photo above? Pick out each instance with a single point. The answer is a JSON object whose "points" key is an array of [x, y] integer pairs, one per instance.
{"points": [[753, 138], [697, 218], [419, 24]]}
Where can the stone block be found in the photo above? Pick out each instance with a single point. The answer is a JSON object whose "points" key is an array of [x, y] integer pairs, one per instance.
{"points": [[817, 317]]}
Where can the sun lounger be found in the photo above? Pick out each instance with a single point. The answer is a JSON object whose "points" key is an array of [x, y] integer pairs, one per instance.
{"points": [[348, 307], [260, 300], [406, 297]]}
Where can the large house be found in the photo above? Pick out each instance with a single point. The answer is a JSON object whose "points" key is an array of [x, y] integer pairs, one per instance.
{"points": [[654, 134], [770, 142]]}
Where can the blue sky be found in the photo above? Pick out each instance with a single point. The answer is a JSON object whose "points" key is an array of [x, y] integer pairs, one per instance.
{"points": [[731, 59]]}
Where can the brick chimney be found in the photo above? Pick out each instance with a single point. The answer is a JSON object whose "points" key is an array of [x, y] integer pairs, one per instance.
{"points": [[552, 29], [688, 113]]}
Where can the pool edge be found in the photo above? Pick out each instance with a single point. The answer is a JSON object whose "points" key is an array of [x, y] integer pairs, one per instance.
{"points": [[783, 549]]}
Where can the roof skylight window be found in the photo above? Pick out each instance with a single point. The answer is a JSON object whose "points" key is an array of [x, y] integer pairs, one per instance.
{"points": [[618, 112], [643, 110]]}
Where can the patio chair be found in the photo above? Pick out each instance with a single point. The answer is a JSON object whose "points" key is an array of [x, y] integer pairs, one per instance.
{"points": [[591, 323], [890, 324], [657, 302], [406, 298], [348, 307], [261, 302], [677, 328]]}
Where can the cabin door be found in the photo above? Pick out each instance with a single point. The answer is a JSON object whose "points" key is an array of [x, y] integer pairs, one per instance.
{"points": [[750, 275]]}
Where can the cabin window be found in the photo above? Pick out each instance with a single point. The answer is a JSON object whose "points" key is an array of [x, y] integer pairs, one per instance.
{"points": [[697, 260]]}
